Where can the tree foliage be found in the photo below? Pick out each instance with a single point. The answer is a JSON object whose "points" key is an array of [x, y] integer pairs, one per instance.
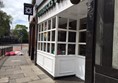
{"points": [[20, 32], [5, 21]]}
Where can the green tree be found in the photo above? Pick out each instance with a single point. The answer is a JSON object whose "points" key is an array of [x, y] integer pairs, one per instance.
{"points": [[5, 21], [20, 32]]}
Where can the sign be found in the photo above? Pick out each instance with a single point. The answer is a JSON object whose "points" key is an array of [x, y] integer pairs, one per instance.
{"points": [[50, 5], [28, 9]]}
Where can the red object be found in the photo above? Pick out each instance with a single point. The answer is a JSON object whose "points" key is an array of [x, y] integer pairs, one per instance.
{"points": [[7, 53], [12, 53]]}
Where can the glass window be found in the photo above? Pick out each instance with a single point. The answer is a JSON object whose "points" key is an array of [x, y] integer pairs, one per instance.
{"points": [[48, 47], [83, 23], [52, 48], [62, 36], [53, 35], [62, 23], [45, 35], [39, 37], [82, 36], [38, 46], [49, 24], [72, 24], [41, 46], [44, 47], [72, 37], [48, 36], [82, 50], [53, 22], [45, 27], [61, 49], [71, 49]]}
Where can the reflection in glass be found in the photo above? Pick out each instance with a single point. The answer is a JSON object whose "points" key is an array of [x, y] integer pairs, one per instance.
{"points": [[82, 50], [45, 36], [62, 36], [72, 24], [61, 49], [53, 35], [71, 49], [83, 23], [82, 36], [41, 46], [53, 22], [49, 24], [48, 47], [45, 27], [39, 37], [62, 23], [52, 48], [48, 36], [44, 47], [72, 37]]}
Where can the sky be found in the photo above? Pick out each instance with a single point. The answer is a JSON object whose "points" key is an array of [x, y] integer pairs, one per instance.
{"points": [[15, 9]]}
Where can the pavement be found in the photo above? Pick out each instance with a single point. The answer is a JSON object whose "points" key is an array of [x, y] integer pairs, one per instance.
{"points": [[20, 69]]}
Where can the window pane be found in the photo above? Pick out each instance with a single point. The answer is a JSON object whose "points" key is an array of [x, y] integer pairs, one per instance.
{"points": [[72, 24], [83, 23], [62, 36], [72, 37], [45, 36], [49, 24], [48, 36], [48, 47], [82, 50], [61, 49], [62, 23], [38, 46], [71, 49], [41, 46], [82, 36], [41, 36], [44, 47], [52, 48], [45, 26], [53, 22], [53, 35]]}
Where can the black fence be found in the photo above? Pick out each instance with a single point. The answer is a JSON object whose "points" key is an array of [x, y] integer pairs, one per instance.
{"points": [[4, 49], [11, 40], [8, 40]]}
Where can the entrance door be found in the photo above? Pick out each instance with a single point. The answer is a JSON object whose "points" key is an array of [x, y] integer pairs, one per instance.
{"points": [[102, 42], [106, 45]]}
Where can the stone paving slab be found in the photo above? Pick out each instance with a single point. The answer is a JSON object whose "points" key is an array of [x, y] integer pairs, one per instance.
{"points": [[4, 80]]}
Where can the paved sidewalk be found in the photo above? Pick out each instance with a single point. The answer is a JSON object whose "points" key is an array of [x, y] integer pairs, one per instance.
{"points": [[20, 69]]}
